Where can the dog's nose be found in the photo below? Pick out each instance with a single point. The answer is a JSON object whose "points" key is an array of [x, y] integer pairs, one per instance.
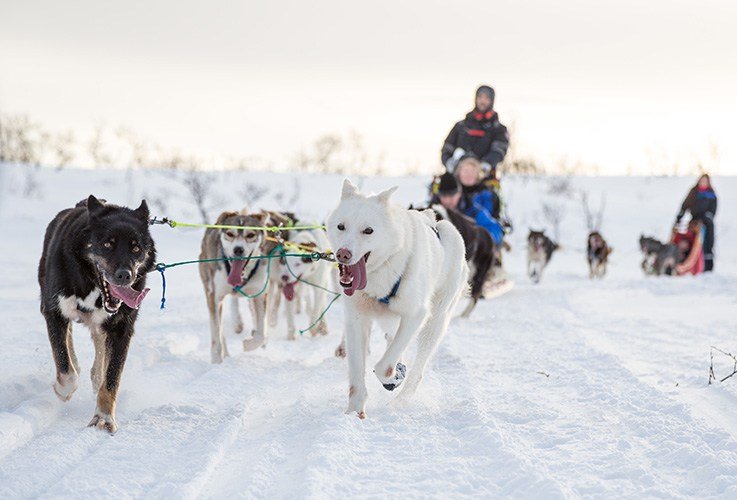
{"points": [[284, 278], [238, 251], [123, 275], [343, 255]]}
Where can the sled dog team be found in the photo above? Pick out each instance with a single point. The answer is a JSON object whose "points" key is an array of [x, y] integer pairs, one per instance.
{"points": [[403, 268]]}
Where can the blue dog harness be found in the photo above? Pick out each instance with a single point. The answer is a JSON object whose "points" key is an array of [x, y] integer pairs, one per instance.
{"points": [[395, 288], [392, 294]]}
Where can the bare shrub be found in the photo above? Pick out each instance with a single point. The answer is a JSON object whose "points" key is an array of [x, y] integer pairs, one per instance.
{"points": [[554, 213], [252, 193], [63, 149]]}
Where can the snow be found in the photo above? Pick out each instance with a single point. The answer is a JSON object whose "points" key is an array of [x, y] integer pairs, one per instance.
{"points": [[565, 389]]}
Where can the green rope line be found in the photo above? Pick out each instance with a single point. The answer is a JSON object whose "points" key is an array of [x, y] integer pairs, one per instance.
{"points": [[336, 295], [239, 288], [315, 256]]}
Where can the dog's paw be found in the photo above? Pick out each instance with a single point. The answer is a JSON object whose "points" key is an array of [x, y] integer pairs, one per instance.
{"points": [[340, 351], [320, 329], [103, 421], [253, 343], [65, 385], [393, 378]]}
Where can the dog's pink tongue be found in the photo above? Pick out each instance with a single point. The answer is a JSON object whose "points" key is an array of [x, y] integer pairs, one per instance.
{"points": [[288, 290], [130, 297], [358, 270], [235, 278]]}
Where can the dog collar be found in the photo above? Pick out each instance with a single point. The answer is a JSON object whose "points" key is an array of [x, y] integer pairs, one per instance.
{"points": [[392, 294]]}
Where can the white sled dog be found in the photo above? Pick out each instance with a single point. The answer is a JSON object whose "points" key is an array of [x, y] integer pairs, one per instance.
{"points": [[292, 276], [393, 262]]}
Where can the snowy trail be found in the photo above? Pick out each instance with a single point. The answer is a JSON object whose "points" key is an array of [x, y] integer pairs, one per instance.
{"points": [[624, 411]]}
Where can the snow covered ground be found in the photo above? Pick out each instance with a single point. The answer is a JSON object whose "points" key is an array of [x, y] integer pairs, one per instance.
{"points": [[570, 388]]}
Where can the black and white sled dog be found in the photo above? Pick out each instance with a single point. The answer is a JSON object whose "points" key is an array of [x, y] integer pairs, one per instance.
{"points": [[93, 271], [293, 277], [597, 254], [399, 264], [658, 258], [481, 251], [220, 278], [540, 249]]}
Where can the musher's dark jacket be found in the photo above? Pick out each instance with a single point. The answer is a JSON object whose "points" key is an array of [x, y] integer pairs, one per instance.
{"points": [[481, 134]]}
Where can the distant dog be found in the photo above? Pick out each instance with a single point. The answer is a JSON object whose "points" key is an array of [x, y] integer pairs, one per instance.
{"points": [[597, 254], [481, 252], [220, 278], [540, 249], [399, 263], [658, 258], [292, 277], [93, 271]]}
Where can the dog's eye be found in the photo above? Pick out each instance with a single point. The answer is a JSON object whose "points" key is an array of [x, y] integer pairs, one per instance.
{"points": [[250, 236], [368, 230], [341, 227], [108, 244], [136, 249], [230, 234], [306, 260]]}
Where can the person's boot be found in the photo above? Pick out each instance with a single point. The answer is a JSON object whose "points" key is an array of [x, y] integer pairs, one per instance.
{"points": [[708, 264]]}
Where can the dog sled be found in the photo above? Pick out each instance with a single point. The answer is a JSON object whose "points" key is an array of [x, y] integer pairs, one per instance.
{"points": [[690, 246]]}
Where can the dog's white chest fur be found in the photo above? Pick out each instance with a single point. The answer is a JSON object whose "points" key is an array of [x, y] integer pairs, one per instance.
{"points": [[83, 310]]}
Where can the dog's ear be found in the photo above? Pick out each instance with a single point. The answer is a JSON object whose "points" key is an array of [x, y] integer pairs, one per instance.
{"points": [[142, 211], [94, 206], [349, 190], [223, 216], [262, 217], [385, 196], [244, 210]]}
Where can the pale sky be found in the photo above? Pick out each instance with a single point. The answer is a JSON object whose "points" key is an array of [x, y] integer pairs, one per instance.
{"points": [[611, 83]]}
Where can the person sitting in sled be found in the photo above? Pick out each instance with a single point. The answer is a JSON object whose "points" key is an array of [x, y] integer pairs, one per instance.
{"points": [[477, 206], [480, 133], [701, 202]]}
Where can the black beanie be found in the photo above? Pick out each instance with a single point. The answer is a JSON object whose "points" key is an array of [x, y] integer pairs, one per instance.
{"points": [[485, 89], [448, 184]]}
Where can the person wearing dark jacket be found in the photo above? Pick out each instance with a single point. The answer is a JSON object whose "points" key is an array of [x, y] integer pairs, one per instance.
{"points": [[480, 133], [701, 203]]}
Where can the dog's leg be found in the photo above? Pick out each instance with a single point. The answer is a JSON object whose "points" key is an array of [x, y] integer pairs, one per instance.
{"points": [[471, 305], [427, 341], [60, 336], [236, 312], [387, 370], [215, 306], [316, 308], [291, 306], [117, 340], [340, 350], [98, 367], [274, 302], [356, 337], [260, 333]]}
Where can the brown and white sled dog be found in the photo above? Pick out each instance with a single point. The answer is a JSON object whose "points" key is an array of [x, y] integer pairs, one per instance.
{"points": [[220, 278], [93, 271], [597, 254], [540, 249], [291, 277], [400, 263]]}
